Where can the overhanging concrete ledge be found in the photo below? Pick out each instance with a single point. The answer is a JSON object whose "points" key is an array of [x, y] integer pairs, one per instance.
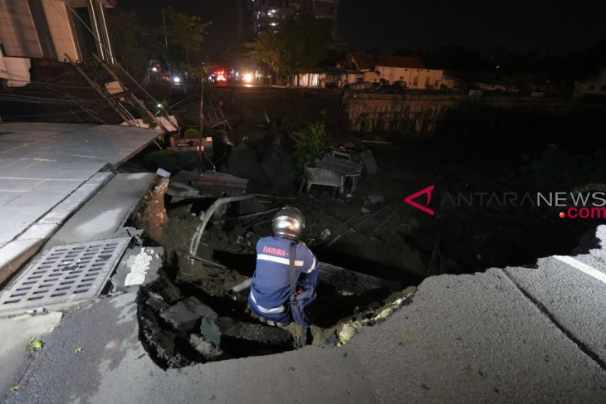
{"points": [[47, 171]]}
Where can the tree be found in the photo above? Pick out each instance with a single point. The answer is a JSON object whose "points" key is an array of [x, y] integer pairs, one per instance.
{"points": [[268, 50], [185, 35], [301, 44]]}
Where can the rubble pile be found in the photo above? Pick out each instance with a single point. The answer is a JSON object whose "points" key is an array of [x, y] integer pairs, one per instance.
{"points": [[181, 325], [179, 330]]}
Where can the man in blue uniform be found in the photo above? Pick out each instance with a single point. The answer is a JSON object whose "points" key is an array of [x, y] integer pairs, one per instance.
{"points": [[286, 276]]}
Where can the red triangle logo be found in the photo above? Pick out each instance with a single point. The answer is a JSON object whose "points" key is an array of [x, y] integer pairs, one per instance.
{"points": [[427, 192]]}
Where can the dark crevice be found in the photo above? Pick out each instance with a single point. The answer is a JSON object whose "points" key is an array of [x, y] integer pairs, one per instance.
{"points": [[241, 334]]}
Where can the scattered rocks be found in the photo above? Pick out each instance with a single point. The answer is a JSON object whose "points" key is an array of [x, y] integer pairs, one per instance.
{"points": [[207, 349], [210, 331], [156, 302], [186, 314]]}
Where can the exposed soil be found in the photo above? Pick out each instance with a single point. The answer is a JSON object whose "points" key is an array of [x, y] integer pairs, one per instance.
{"points": [[181, 324], [387, 239]]}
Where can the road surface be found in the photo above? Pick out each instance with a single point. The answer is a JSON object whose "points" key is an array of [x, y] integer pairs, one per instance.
{"points": [[47, 171], [505, 335]]}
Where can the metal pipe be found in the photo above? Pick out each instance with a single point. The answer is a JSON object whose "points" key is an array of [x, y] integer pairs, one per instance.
{"points": [[108, 40], [97, 33], [195, 241], [242, 286]]}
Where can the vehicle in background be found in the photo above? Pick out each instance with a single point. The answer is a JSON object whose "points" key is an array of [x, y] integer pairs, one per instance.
{"points": [[219, 76]]}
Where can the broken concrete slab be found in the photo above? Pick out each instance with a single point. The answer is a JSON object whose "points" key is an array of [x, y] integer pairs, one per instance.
{"points": [[215, 184], [50, 161], [139, 266], [105, 213], [18, 251], [186, 314], [77, 199], [156, 302]]}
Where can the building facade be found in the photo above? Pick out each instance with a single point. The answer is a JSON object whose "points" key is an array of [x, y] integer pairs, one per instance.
{"points": [[267, 15], [592, 86], [409, 72]]}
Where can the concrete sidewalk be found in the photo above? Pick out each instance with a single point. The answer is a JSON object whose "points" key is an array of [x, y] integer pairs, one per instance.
{"points": [[47, 171], [506, 335]]}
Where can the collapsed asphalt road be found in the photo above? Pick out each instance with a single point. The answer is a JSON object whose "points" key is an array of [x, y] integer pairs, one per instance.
{"points": [[506, 335], [180, 324]]}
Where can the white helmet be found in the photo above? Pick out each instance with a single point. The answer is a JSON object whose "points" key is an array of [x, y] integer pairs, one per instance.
{"points": [[289, 223]]}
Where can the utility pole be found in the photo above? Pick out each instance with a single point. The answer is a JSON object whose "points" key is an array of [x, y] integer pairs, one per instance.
{"points": [[202, 74], [101, 31], [164, 29]]}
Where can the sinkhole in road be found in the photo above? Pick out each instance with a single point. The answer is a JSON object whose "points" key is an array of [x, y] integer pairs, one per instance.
{"points": [[183, 323], [187, 316]]}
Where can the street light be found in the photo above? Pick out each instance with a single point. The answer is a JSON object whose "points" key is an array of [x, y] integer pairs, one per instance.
{"points": [[248, 77]]}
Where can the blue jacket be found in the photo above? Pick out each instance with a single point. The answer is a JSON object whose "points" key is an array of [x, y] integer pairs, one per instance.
{"points": [[269, 296]]}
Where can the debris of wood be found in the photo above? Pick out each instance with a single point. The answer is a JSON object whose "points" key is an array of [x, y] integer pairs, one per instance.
{"points": [[179, 191], [214, 184]]}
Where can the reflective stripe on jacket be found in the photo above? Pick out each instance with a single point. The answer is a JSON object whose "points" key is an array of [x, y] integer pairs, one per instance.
{"points": [[270, 290]]}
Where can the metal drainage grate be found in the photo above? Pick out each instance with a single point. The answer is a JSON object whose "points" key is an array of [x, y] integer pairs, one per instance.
{"points": [[65, 274]]}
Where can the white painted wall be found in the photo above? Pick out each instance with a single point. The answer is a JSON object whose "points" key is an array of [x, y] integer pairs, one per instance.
{"points": [[414, 77], [15, 71]]}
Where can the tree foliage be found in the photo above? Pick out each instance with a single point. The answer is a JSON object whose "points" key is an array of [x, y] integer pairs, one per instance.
{"points": [[267, 50], [311, 143], [301, 44], [135, 42], [185, 36]]}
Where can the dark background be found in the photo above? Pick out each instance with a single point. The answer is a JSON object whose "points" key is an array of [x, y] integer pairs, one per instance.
{"points": [[389, 25]]}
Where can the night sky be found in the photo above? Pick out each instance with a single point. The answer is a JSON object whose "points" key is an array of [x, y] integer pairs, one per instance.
{"points": [[388, 25]]}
